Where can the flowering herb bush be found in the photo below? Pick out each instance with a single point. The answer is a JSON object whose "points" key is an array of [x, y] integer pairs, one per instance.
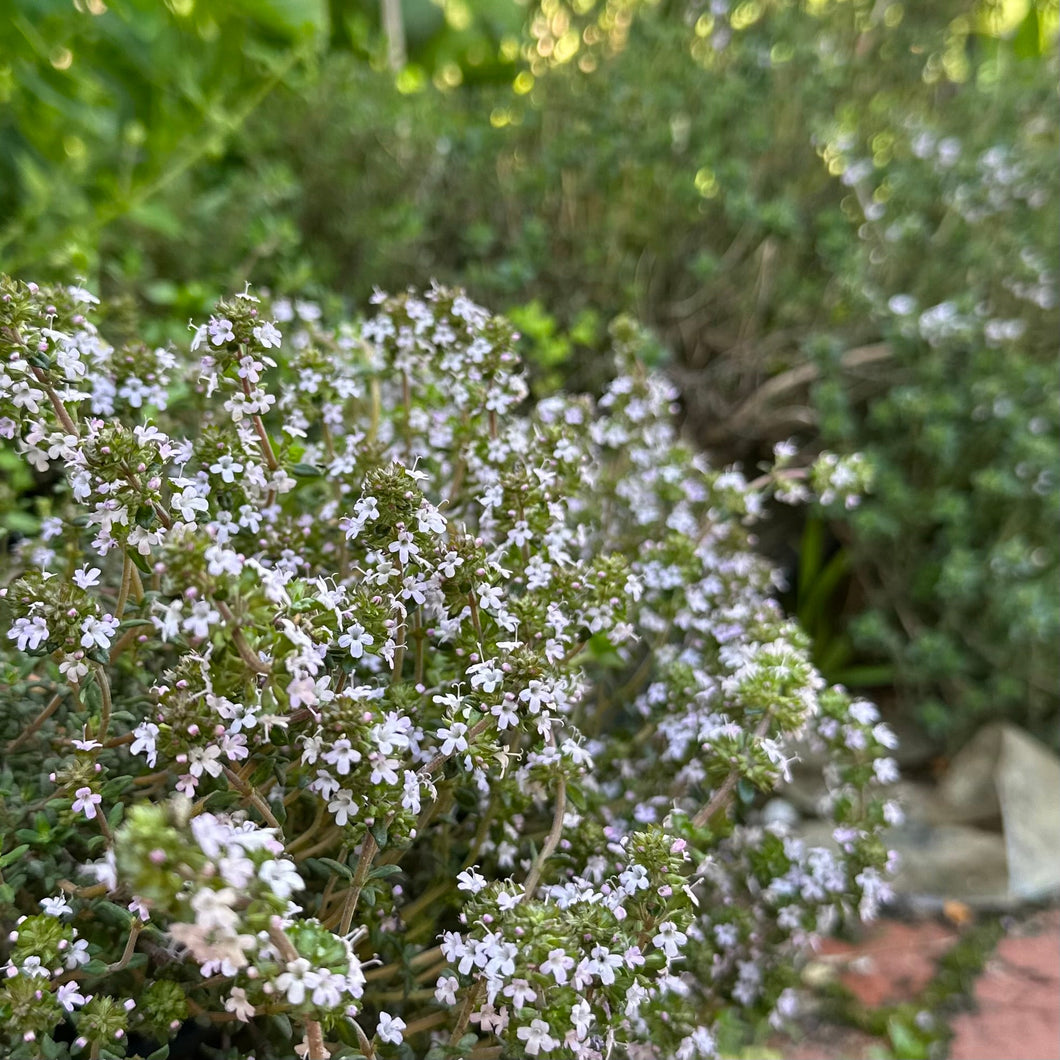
{"points": [[355, 707], [958, 548]]}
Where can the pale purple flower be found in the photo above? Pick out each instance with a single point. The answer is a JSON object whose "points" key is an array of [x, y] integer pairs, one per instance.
{"points": [[521, 993], [74, 667], [558, 964], [70, 997], [28, 633], [485, 676], [85, 743], [202, 617], [537, 1038], [885, 770], [146, 734], [342, 756], [294, 980], [57, 906], [140, 908], [445, 991], [227, 467], [98, 632], [343, 807], [453, 738], [205, 760], [404, 547], [410, 795], [582, 1018], [389, 1028], [490, 598], [670, 939], [471, 880], [220, 329], [238, 1005], [604, 963], [86, 802], [281, 876], [354, 639], [535, 696], [86, 578], [384, 770], [505, 713], [77, 955], [268, 335], [189, 502]]}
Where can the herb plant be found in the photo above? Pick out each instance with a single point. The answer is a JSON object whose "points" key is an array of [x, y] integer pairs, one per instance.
{"points": [[356, 706]]}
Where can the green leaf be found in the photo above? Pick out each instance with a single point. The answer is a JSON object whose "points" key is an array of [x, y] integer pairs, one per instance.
{"points": [[1027, 43], [291, 18], [91, 695], [603, 652], [50, 1049], [113, 914], [142, 562], [379, 833], [833, 655], [162, 292], [158, 218], [381, 872], [811, 549], [817, 602], [336, 867], [13, 855], [306, 471], [21, 523], [908, 1045]]}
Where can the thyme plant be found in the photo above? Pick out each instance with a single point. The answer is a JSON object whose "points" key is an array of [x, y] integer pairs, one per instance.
{"points": [[357, 705]]}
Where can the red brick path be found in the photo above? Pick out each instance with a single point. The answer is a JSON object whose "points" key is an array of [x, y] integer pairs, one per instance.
{"points": [[1017, 1001], [1016, 1004]]}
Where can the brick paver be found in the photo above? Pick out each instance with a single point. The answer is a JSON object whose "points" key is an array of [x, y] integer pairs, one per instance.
{"points": [[1017, 1000], [1013, 1015]]}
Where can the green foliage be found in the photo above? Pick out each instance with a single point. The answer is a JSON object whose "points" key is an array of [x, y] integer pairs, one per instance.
{"points": [[106, 107], [16, 482], [754, 183], [105, 104], [959, 547]]}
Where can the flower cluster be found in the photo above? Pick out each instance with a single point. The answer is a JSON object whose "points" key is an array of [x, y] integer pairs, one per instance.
{"points": [[382, 696]]}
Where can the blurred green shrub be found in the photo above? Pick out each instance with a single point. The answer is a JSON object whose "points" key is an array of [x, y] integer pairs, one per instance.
{"points": [[774, 188], [105, 108], [960, 546], [104, 105]]}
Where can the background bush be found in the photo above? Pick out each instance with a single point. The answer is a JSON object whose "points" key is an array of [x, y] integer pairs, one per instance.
{"points": [[759, 206]]}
